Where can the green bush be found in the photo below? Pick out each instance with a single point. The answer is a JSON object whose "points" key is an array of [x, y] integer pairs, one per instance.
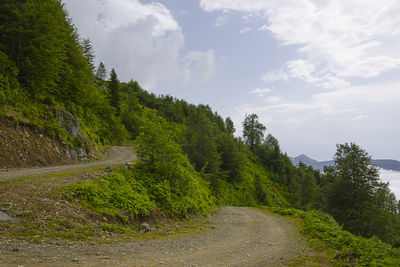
{"points": [[166, 171], [114, 193], [366, 252]]}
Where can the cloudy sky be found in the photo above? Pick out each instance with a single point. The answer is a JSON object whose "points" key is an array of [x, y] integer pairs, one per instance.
{"points": [[317, 72]]}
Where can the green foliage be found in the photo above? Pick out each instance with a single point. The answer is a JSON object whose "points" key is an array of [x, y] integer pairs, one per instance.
{"points": [[166, 170], [365, 252], [9, 85], [223, 161], [113, 88], [88, 53], [45, 67], [253, 131], [357, 199], [189, 158], [101, 72], [113, 194], [229, 126]]}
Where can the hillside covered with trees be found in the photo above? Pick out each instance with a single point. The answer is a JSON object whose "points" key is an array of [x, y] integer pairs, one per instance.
{"points": [[190, 158]]}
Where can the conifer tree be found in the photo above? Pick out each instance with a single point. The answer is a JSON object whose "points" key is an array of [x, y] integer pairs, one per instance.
{"points": [[113, 87], [229, 126], [88, 53], [101, 72]]}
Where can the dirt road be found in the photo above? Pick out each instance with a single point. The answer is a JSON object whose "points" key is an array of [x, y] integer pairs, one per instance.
{"points": [[239, 237], [113, 155]]}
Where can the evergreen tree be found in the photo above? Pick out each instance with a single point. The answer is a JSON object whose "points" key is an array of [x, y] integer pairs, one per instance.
{"points": [[253, 131], [272, 143], [88, 53], [101, 72], [229, 126], [113, 87]]}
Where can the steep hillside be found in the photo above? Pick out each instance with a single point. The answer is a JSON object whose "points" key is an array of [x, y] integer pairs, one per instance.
{"points": [[55, 107], [25, 145], [22, 146]]}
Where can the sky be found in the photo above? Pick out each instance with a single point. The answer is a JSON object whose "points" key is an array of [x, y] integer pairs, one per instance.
{"points": [[393, 178], [316, 72]]}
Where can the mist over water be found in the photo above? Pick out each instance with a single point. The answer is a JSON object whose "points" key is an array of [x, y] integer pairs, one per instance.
{"points": [[393, 178]]}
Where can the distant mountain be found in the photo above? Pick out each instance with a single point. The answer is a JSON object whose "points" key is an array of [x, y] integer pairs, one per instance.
{"points": [[387, 164], [319, 165]]}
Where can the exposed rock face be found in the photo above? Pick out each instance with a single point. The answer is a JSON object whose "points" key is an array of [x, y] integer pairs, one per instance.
{"points": [[22, 145], [70, 123], [73, 127]]}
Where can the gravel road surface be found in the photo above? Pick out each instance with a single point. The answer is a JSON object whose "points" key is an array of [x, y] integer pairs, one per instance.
{"points": [[113, 155], [239, 237]]}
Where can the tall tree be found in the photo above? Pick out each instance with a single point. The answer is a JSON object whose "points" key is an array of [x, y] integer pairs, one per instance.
{"points": [[352, 196], [253, 131], [272, 143], [229, 126], [101, 72], [88, 53], [113, 87]]}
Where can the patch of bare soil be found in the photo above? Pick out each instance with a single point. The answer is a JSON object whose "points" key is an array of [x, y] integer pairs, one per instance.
{"points": [[23, 146]]}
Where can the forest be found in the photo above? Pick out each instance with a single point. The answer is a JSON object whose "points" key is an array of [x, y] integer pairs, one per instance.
{"points": [[190, 158]]}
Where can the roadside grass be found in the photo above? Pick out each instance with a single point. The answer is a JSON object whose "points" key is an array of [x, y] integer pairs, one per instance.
{"points": [[42, 214], [345, 248], [316, 252]]}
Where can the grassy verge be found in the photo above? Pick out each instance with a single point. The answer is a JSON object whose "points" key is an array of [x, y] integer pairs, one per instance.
{"points": [[41, 213], [313, 252], [351, 250]]}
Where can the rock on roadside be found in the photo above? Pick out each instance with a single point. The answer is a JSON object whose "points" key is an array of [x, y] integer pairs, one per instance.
{"points": [[4, 217]]}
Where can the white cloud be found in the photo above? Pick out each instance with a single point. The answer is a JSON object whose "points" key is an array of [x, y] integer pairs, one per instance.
{"points": [[394, 180], [263, 28], [354, 102], [204, 64], [244, 30], [307, 71], [273, 76], [141, 41], [272, 99], [116, 13], [260, 91], [302, 69], [345, 39], [221, 20], [237, 5], [362, 114]]}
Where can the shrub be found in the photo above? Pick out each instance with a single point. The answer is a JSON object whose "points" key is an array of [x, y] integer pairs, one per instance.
{"points": [[366, 252], [114, 193]]}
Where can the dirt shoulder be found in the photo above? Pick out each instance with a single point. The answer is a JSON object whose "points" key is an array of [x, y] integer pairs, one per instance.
{"points": [[239, 237], [113, 155]]}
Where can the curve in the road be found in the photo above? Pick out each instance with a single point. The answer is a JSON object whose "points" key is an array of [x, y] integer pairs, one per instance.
{"points": [[240, 237], [113, 155]]}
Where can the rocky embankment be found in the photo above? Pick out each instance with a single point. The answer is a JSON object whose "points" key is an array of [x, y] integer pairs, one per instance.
{"points": [[22, 145]]}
